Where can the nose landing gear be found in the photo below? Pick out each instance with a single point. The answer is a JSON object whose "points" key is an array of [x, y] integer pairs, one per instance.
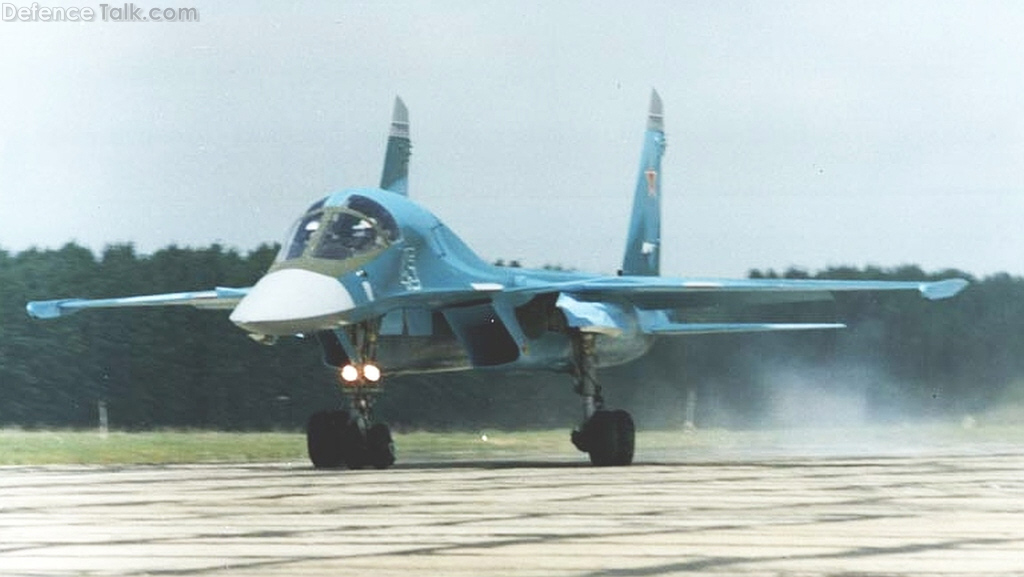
{"points": [[350, 437]]}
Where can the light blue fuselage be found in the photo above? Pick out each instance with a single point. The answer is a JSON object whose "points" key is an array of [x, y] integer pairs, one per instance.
{"points": [[422, 265]]}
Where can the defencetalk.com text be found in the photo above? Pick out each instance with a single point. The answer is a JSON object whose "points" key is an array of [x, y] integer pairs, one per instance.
{"points": [[129, 12]]}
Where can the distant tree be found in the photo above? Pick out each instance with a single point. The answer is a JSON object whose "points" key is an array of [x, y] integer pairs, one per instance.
{"points": [[180, 367]]}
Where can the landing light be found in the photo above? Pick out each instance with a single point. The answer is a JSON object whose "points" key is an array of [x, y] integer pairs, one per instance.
{"points": [[349, 374], [372, 373]]}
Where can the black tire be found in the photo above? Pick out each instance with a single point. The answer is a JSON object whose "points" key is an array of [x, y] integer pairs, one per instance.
{"points": [[610, 438], [325, 439], [380, 447], [354, 452]]}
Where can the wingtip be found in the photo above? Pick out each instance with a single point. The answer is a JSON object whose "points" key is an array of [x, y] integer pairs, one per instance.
{"points": [[655, 113], [48, 309], [400, 119], [943, 289]]}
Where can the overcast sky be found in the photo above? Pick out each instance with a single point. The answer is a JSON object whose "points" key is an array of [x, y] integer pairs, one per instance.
{"points": [[799, 133]]}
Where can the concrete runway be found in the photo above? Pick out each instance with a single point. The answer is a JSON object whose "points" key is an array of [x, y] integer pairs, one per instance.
{"points": [[959, 513]]}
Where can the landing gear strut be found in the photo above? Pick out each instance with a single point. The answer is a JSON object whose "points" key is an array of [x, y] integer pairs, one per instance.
{"points": [[350, 437], [608, 436]]}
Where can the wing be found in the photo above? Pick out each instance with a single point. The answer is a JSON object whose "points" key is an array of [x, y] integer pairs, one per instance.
{"points": [[596, 305], [218, 298], [664, 293]]}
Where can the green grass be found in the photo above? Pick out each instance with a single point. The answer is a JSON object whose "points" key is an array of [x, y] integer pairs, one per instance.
{"points": [[19, 447]]}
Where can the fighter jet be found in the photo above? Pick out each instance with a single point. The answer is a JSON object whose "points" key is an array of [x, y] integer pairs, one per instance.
{"points": [[387, 289]]}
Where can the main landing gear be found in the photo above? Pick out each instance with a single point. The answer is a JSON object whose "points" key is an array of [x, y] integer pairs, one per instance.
{"points": [[350, 437], [608, 436]]}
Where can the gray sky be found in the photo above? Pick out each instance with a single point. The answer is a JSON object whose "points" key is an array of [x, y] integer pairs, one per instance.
{"points": [[800, 133]]}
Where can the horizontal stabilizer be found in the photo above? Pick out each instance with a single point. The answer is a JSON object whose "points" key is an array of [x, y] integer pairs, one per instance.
{"points": [[722, 328]]}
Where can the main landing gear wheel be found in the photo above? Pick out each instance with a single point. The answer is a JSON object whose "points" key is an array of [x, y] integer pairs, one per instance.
{"points": [[609, 437]]}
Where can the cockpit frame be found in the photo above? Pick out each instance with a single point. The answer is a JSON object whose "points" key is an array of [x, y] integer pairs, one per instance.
{"points": [[353, 232]]}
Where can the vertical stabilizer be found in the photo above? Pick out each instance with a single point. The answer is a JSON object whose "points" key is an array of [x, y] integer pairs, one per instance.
{"points": [[396, 160], [643, 244]]}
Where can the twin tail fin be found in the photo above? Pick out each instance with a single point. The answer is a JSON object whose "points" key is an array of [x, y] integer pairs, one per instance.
{"points": [[643, 242]]}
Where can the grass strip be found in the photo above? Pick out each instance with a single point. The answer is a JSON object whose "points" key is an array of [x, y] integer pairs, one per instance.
{"points": [[22, 447]]}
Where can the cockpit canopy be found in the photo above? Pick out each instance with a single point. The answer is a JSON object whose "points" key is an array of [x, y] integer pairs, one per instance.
{"points": [[356, 227]]}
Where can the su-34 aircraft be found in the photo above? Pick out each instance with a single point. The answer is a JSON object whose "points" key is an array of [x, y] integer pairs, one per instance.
{"points": [[387, 289]]}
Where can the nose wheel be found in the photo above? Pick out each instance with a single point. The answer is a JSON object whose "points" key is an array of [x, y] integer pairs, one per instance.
{"points": [[340, 438]]}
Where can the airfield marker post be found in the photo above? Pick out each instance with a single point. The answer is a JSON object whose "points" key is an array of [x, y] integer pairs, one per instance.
{"points": [[104, 422]]}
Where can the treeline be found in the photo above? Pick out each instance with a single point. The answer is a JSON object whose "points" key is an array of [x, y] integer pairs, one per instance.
{"points": [[179, 367]]}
